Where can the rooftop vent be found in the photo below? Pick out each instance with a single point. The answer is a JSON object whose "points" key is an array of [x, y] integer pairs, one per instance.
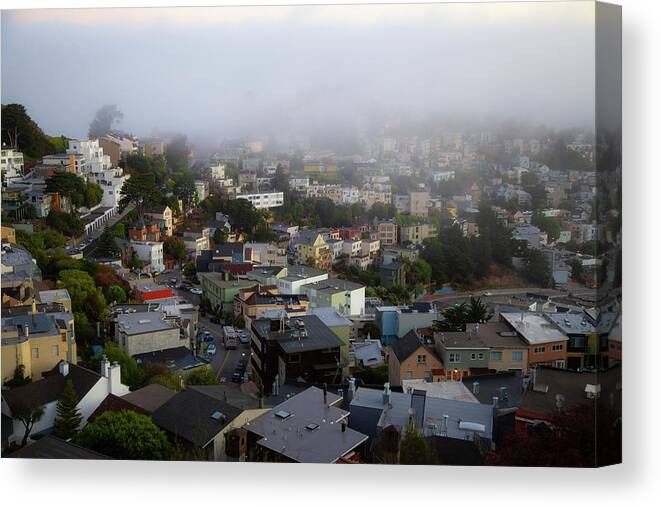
{"points": [[218, 416], [472, 426], [311, 426]]}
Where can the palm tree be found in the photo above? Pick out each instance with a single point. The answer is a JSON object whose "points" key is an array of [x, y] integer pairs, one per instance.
{"points": [[454, 318], [477, 312]]}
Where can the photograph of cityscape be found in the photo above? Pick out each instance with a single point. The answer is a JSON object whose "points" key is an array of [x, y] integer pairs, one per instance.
{"points": [[357, 234]]}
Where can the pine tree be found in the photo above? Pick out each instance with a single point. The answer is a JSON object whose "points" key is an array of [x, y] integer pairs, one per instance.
{"points": [[68, 415]]}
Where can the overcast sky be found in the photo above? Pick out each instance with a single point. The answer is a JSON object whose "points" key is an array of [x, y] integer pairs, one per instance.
{"points": [[217, 72]]}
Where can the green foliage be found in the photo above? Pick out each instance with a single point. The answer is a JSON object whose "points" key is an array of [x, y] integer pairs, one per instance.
{"points": [[140, 190], [125, 435], [560, 158], [175, 247], [202, 376], [107, 244], [372, 329], [455, 317], [184, 188], [537, 269], [134, 262], [66, 223], [81, 193], [189, 271], [549, 225], [116, 294], [120, 231], [106, 116], [85, 296], [28, 414], [374, 376], [19, 378], [132, 375], [31, 139], [40, 241], [68, 417], [414, 449], [140, 164]]}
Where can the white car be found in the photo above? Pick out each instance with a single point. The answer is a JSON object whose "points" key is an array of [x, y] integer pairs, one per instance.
{"points": [[196, 291]]}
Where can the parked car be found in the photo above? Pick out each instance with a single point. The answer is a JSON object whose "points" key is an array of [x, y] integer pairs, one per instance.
{"points": [[237, 377], [243, 337], [196, 291], [173, 280], [211, 350], [208, 338], [215, 319]]}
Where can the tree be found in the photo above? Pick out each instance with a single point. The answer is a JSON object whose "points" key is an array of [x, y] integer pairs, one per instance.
{"points": [[105, 117], [68, 416], [116, 294], [536, 268], [477, 312], [28, 414], [175, 248], [132, 375], [414, 449], [202, 376], [184, 188], [454, 318], [107, 245], [140, 190], [371, 329], [189, 271], [134, 262], [81, 288], [19, 378], [66, 223], [125, 435], [18, 129]]}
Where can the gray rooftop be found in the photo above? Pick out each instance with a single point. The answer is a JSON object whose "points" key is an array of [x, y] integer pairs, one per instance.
{"points": [[534, 327], [143, 322], [433, 409], [300, 272], [306, 429], [318, 335], [333, 286]]}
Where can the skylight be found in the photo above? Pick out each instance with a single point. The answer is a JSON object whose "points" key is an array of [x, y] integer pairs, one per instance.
{"points": [[282, 414], [217, 415], [311, 426]]}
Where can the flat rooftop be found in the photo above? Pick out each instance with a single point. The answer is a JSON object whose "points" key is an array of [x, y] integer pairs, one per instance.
{"points": [[143, 322], [307, 430], [534, 327]]}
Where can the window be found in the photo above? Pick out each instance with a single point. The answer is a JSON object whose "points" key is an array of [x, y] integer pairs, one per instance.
{"points": [[480, 355], [560, 363], [422, 359], [55, 350], [409, 375], [557, 346], [454, 357], [473, 356], [517, 355], [496, 356], [35, 353]]}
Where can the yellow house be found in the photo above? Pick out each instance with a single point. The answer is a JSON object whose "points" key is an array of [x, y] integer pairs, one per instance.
{"points": [[162, 214], [38, 341], [313, 249], [410, 359]]}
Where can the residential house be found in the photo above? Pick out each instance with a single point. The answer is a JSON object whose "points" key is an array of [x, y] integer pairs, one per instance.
{"points": [[90, 387], [348, 298], [220, 292], [387, 231], [307, 428], [411, 358], [302, 347], [251, 304], [299, 276], [547, 345], [312, 249], [37, 341], [150, 292], [162, 214], [149, 252], [141, 332], [463, 353], [507, 352], [393, 275], [264, 200], [419, 203], [415, 234], [265, 254], [396, 321]]}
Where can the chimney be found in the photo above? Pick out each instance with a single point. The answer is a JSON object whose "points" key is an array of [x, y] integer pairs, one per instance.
{"points": [[352, 389], [105, 364], [386, 393], [114, 378], [63, 368], [325, 393], [26, 330], [476, 388], [344, 426], [34, 306], [495, 401]]}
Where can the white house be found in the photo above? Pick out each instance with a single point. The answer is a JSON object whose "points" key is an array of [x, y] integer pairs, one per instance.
{"points": [[93, 158], [90, 386], [298, 276], [201, 189], [150, 252], [11, 164], [111, 182], [264, 199]]}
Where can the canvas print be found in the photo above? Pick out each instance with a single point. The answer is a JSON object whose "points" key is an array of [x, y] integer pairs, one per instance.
{"points": [[333, 234]]}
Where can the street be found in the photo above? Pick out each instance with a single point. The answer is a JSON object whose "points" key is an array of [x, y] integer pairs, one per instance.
{"points": [[223, 362]]}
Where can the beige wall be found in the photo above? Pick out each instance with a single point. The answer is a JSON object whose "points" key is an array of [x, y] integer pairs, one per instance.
{"points": [[50, 351], [507, 362]]}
